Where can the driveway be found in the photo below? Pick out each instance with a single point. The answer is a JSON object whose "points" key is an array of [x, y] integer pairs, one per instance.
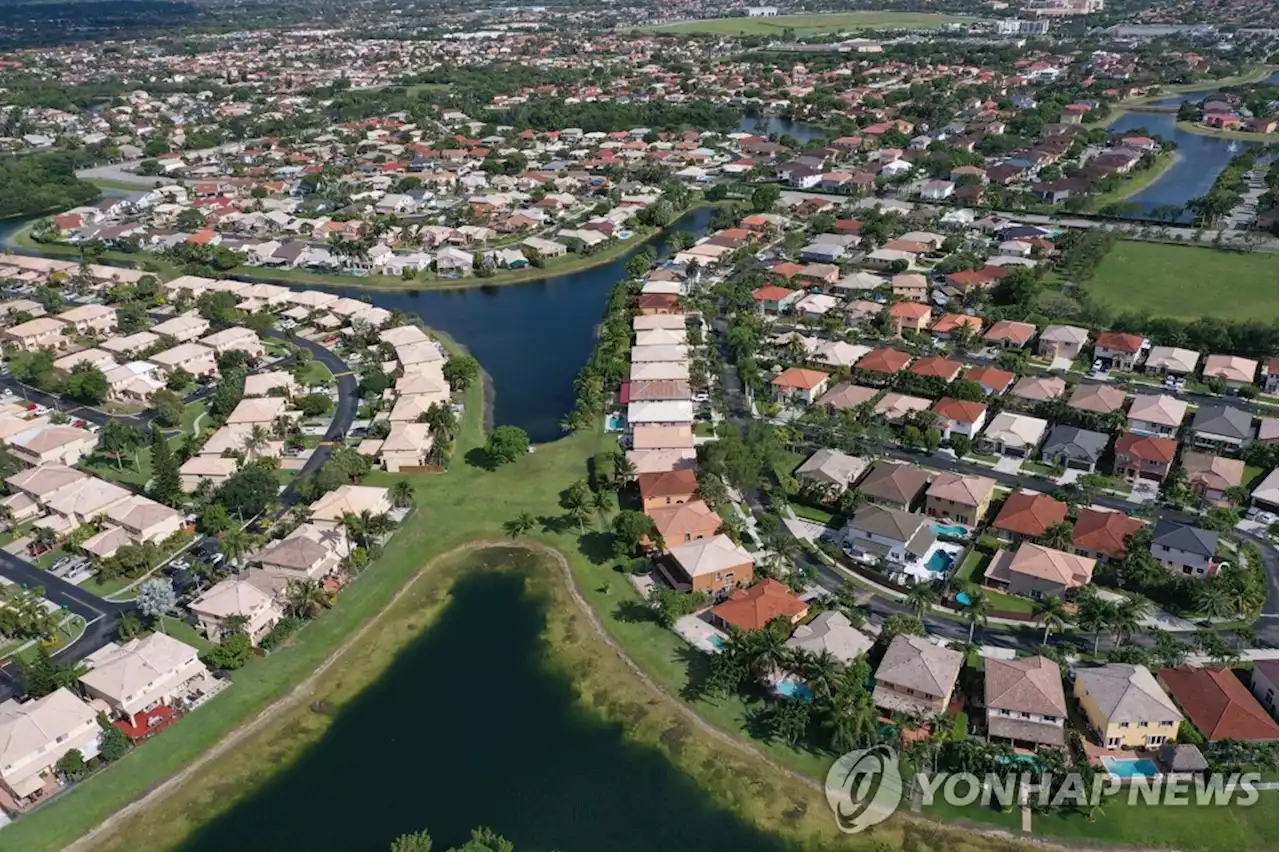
{"points": [[1009, 466]]}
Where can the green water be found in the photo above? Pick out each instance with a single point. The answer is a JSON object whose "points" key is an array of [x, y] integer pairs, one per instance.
{"points": [[469, 728]]}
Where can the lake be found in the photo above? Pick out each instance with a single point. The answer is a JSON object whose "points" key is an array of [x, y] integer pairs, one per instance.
{"points": [[1202, 157], [769, 125], [469, 727], [531, 338]]}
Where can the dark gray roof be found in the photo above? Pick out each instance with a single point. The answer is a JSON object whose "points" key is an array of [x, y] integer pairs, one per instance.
{"points": [[888, 523], [1223, 420], [1076, 443], [1185, 538]]}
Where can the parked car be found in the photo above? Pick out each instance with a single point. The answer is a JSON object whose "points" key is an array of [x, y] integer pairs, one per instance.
{"points": [[60, 564]]}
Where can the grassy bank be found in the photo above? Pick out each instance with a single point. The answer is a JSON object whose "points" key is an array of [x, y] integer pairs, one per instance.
{"points": [[1186, 282], [569, 264], [1136, 183], [808, 24], [1253, 75], [1242, 135]]}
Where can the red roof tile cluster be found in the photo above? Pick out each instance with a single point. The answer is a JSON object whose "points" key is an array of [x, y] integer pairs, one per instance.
{"points": [[1219, 704], [754, 608]]}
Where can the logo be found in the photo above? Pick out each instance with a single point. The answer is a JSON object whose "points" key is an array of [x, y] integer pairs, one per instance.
{"points": [[864, 788]]}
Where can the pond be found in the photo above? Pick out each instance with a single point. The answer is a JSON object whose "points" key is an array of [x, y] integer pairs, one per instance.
{"points": [[1202, 158], [770, 125], [531, 338], [469, 727]]}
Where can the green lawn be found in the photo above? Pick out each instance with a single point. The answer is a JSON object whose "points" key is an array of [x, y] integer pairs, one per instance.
{"points": [[316, 373], [970, 571], [1185, 282], [816, 515], [184, 632], [1136, 182], [808, 24]]}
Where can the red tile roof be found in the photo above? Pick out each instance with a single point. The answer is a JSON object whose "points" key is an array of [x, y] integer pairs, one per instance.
{"points": [[1104, 532], [1120, 341], [935, 366], [909, 310], [668, 483], [884, 361], [991, 377], [1219, 704], [754, 608], [959, 410], [800, 378], [772, 293], [1147, 448], [1030, 514]]}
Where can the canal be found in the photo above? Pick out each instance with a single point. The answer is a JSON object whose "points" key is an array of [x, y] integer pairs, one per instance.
{"points": [[471, 727], [531, 338], [776, 125]]}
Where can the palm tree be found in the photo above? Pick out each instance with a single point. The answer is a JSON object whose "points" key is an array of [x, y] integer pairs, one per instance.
{"points": [[921, 597], [623, 470], [235, 544], [1129, 617], [602, 502], [577, 504], [237, 623], [256, 440], [442, 424], [1060, 536], [1095, 615], [402, 495], [1214, 599], [520, 524], [44, 537], [823, 672], [1053, 614], [305, 598], [976, 611]]}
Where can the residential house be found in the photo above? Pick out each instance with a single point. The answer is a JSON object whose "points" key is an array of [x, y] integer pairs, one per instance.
{"points": [[214, 468], [89, 320], [1185, 549], [959, 498], [407, 445], [1219, 704], [1139, 457], [994, 381], [713, 565], [197, 359], [667, 488], [832, 632], [1118, 350], [685, 522], [1234, 371], [1015, 435], [1074, 449], [898, 486], [1210, 477], [1033, 390], [350, 500], [894, 407], [1024, 702], [798, 385], [960, 417], [1062, 341], [938, 367], [271, 383], [311, 552], [1126, 706], [756, 607], [1008, 334], [1097, 399], [1170, 360], [951, 325], [909, 315], [144, 519], [1103, 534], [1156, 415], [882, 533], [1027, 515], [234, 597], [773, 300], [184, 328], [1036, 571], [52, 445], [36, 734], [881, 365], [39, 333], [911, 287], [1264, 683], [916, 677], [142, 674], [830, 471], [1221, 428], [846, 396]]}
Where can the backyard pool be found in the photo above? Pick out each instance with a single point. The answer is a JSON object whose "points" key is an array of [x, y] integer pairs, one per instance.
{"points": [[1128, 768], [717, 642], [963, 598], [792, 688], [939, 562], [952, 530], [615, 422]]}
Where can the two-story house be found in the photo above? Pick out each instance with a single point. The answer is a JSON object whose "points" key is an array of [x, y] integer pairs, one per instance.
{"points": [[1156, 415], [877, 532], [1144, 457], [1126, 706], [916, 677], [1025, 703], [960, 417], [1185, 549], [958, 497], [1118, 350], [713, 565], [1222, 428]]}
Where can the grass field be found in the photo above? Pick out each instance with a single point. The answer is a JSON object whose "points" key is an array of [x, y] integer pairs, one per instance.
{"points": [[1137, 182], [809, 24], [1185, 282]]}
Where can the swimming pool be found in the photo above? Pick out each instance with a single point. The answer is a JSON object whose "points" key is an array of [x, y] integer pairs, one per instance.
{"points": [[615, 422], [963, 598], [952, 530], [939, 562], [717, 642], [794, 689], [1128, 768]]}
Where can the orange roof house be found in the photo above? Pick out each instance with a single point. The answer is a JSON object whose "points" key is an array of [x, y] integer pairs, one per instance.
{"points": [[1219, 704], [952, 323], [1102, 534], [943, 368], [667, 488], [885, 362], [754, 608], [800, 384], [1029, 515], [909, 315], [685, 522]]}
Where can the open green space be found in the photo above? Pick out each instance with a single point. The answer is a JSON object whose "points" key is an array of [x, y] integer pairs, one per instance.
{"points": [[1137, 181], [809, 24], [316, 373], [1185, 282]]}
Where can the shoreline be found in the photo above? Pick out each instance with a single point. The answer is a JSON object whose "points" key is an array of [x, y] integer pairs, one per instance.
{"points": [[20, 242], [1135, 184], [1256, 75], [1238, 135]]}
